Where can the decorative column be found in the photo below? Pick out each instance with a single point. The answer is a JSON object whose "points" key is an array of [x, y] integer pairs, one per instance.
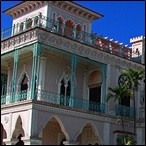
{"points": [[13, 30], [35, 70], [75, 31], [41, 82], [16, 55], [73, 76], [8, 80]]}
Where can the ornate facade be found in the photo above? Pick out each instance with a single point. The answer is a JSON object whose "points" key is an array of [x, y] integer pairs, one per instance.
{"points": [[55, 76]]}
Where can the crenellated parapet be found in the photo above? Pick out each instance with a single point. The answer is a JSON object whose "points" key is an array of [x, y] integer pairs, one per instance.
{"points": [[137, 39]]}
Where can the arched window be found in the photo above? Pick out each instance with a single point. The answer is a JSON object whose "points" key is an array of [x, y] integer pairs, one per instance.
{"points": [[78, 32], [60, 21], [94, 84], [65, 92], [36, 20], [24, 87], [21, 26], [68, 31], [62, 92], [29, 23]]}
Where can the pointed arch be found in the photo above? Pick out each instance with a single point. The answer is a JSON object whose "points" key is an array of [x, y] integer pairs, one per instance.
{"points": [[53, 129], [21, 78], [92, 127], [69, 25], [62, 126], [95, 90], [29, 23], [64, 73], [18, 128]]}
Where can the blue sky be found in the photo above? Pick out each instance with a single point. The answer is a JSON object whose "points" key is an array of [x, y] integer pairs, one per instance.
{"points": [[122, 19]]}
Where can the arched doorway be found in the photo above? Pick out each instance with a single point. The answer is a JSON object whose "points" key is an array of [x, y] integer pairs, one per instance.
{"points": [[94, 85], [52, 133], [18, 131], [88, 136]]}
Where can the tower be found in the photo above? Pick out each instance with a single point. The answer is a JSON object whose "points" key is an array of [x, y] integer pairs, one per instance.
{"points": [[138, 48]]}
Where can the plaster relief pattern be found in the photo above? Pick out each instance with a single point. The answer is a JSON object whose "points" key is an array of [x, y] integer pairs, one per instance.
{"points": [[86, 51]]}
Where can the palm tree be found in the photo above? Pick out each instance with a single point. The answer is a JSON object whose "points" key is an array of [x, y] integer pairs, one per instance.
{"points": [[133, 77], [118, 94]]}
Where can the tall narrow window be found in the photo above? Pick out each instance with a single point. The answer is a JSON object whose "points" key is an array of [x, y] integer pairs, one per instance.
{"points": [[65, 93], [94, 84], [21, 26], [60, 21], [62, 92], [68, 89], [95, 97], [36, 20], [29, 23], [24, 87]]}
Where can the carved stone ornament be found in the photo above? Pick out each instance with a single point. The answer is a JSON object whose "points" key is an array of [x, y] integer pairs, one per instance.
{"points": [[6, 119]]}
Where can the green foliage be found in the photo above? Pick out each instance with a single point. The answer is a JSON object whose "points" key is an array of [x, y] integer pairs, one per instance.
{"points": [[133, 76], [125, 139], [118, 93]]}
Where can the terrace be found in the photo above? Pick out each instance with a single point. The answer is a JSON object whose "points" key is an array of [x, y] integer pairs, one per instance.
{"points": [[97, 42]]}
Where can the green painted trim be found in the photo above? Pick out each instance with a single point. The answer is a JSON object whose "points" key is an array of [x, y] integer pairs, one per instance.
{"points": [[35, 69], [15, 67], [73, 73], [104, 76]]}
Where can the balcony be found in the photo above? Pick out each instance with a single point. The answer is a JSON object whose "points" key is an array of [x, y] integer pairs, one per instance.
{"points": [[52, 26], [124, 111], [54, 99], [66, 102]]}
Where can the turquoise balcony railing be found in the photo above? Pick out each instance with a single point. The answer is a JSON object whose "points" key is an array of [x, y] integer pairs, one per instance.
{"points": [[66, 101], [73, 33], [124, 111], [73, 102], [56, 99], [14, 97]]}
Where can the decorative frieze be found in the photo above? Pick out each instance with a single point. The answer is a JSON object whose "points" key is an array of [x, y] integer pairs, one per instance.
{"points": [[85, 51], [18, 40]]}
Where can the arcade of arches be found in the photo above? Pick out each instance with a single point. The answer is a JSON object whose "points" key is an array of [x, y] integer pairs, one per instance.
{"points": [[54, 134]]}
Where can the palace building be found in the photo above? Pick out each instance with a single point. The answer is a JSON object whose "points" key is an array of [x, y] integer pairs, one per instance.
{"points": [[55, 75]]}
